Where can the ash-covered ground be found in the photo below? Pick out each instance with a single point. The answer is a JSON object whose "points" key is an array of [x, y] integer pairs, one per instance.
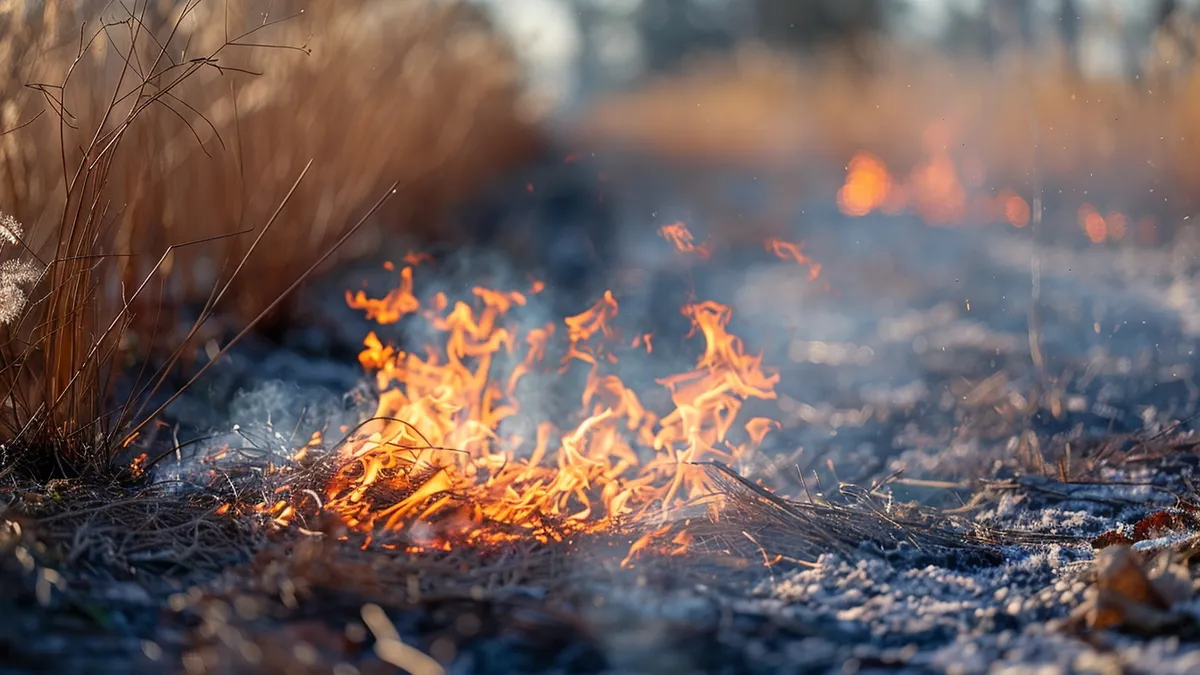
{"points": [[908, 370]]}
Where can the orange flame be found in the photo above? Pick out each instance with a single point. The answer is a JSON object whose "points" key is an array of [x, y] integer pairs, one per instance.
{"points": [[868, 185], [785, 250], [679, 236], [392, 307], [934, 190], [414, 258], [949, 188], [452, 458]]}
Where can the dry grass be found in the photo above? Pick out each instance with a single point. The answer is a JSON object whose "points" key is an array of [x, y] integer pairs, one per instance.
{"points": [[1110, 142], [168, 530], [372, 92], [165, 152]]}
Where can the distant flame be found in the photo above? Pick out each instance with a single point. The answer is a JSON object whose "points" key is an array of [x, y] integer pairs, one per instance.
{"points": [[868, 185], [1016, 209], [937, 191], [1100, 228]]}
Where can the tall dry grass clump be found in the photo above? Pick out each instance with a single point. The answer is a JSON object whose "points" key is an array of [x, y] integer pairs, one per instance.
{"points": [[160, 152]]}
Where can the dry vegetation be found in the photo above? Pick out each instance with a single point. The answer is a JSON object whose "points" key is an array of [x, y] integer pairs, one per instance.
{"points": [[159, 153]]}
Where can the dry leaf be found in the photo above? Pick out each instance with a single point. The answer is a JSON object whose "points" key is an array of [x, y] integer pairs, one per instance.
{"points": [[1133, 594]]}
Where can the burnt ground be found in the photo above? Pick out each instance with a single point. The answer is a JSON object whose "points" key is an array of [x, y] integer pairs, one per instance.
{"points": [[910, 376]]}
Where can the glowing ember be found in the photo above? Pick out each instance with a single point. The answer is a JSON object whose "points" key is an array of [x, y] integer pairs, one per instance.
{"points": [[452, 458]]}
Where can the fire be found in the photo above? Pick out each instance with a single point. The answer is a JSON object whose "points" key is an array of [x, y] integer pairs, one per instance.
{"points": [[936, 190], [786, 250], [389, 309], [945, 193], [933, 189], [1016, 209], [868, 185], [1101, 228], [454, 457], [679, 236]]}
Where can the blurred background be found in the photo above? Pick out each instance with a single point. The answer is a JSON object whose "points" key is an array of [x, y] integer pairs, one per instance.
{"points": [[942, 105], [578, 49]]}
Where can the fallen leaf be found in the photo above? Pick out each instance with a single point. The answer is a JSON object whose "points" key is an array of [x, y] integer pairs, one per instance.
{"points": [[1134, 595]]}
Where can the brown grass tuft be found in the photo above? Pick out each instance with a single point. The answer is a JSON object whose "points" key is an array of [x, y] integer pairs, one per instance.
{"points": [[148, 147]]}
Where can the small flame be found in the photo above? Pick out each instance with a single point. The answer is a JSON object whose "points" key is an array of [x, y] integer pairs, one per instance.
{"points": [[646, 340], [392, 307], [414, 258], [786, 250], [137, 468], [679, 236]]}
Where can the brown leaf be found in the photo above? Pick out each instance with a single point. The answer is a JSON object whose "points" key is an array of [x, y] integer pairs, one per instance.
{"points": [[1131, 594], [1121, 572]]}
